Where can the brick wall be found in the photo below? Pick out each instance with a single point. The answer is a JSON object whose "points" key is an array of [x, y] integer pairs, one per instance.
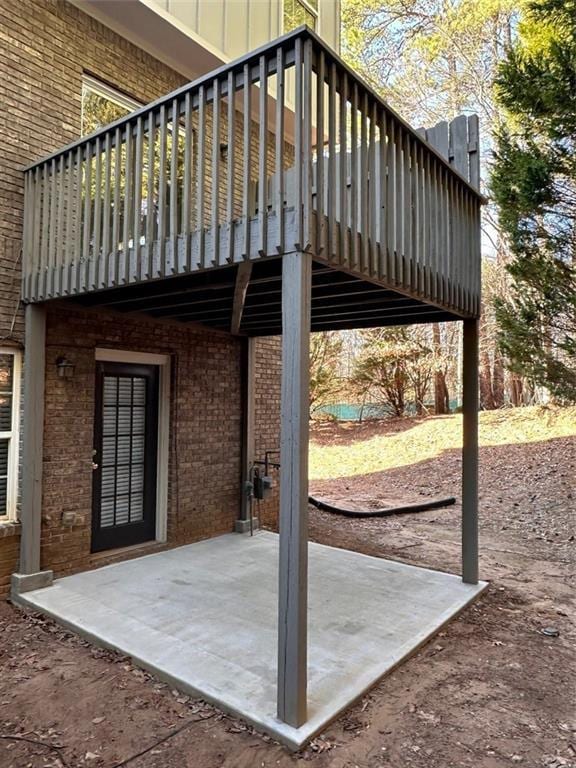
{"points": [[45, 48], [205, 425], [267, 419]]}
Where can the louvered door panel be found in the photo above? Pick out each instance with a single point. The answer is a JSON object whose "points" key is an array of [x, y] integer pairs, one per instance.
{"points": [[125, 455]]}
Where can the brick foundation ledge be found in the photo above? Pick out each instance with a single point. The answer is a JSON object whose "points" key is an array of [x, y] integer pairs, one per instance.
{"points": [[9, 528], [26, 582]]}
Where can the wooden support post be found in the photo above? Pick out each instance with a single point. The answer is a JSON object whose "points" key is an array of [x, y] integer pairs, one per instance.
{"points": [[243, 272], [29, 575], [293, 562], [248, 369], [470, 453]]}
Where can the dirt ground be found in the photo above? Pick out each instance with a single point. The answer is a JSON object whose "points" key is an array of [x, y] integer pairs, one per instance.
{"points": [[490, 690]]}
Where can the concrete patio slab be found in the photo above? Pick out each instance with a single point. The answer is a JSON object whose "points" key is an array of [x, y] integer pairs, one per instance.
{"points": [[203, 617]]}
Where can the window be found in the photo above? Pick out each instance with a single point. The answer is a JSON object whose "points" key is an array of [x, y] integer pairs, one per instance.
{"points": [[10, 370], [102, 105], [298, 12]]}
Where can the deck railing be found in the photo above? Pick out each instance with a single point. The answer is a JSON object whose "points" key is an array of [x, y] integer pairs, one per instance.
{"points": [[283, 149]]}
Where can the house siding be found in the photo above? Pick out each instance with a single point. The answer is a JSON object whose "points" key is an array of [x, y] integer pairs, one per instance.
{"points": [[204, 435], [45, 48]]}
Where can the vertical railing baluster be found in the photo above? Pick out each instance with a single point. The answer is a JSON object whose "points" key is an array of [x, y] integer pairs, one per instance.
{"points": [[263, 158], [128, 199], [373, 189], [364, 209], [107, 211], [409, 219], [399, 206], [306, 239], [201, 183], [246, 159], [66, 224], [150, 196], [87, 234], [426, 225], [460, 243], [457, 252], [391, 203], [52, 235], [332, 178], [452, 249], [436, 211], [320, 179], [116, 206], [27, 233], [466, 266], [477, 255], [97, 211], [163, 138], [434, 254], [29, 289], [279, 174], [343, 208], [230, 170], [298, 139], [383, 201], [354, 180], [174, 161], [187, 183], [438, 244], [215, 207], [36, 253], [78, 221], [420, 230], [441, 282], [60, 241], [138, 179]]}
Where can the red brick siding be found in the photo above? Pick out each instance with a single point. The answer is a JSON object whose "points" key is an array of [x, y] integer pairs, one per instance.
{"points": [[45, 48], [267, 418], [205, 424], [9, 553]]}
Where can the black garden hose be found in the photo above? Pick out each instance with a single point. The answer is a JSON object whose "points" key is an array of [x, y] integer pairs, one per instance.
{"points": [[421, 506]]}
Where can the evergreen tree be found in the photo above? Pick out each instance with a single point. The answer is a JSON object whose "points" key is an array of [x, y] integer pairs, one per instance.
{"points": [[534, 185]]}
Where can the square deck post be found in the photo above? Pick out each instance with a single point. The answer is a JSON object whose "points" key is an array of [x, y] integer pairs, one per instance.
{"points": [[293, 560], [29, 575], [470, 453]]}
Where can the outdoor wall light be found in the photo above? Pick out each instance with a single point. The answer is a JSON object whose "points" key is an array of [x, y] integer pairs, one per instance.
{"points": [[65, 368]]}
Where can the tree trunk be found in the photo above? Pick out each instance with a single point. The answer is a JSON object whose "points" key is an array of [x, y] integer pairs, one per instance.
{"points": [[498, 379], [486, 394], [441, 396], [516, 389]]}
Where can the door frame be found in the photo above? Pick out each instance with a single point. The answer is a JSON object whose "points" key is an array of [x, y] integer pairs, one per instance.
{"points": [[103, 354]]}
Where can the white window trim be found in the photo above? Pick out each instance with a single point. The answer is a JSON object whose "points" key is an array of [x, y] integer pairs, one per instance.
{"points": [[107, 92], [315, 12], [163, 362], [14, 437]]}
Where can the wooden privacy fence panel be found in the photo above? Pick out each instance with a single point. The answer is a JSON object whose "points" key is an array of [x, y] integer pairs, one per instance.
{"points": [[281, 150]]}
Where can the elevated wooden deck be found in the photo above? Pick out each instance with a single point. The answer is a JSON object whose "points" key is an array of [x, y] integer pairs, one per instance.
{"points": [[189, 185]]}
